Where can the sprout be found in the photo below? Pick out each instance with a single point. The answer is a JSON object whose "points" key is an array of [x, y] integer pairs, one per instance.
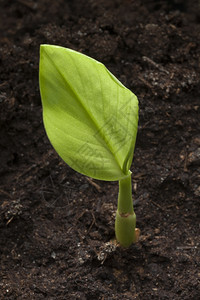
{"points": [[91, 120]]}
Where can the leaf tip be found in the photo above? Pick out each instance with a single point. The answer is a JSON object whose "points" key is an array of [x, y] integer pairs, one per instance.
{"points": [[44, 48]]}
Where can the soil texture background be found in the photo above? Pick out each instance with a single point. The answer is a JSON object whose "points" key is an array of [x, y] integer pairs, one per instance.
{"points": [[57, 226]]}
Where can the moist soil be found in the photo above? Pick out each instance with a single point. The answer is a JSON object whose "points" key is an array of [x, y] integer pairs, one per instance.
{"points": [[57, 226]]}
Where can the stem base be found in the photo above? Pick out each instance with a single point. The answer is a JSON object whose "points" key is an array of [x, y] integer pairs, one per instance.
{"points": [[125, 228]]}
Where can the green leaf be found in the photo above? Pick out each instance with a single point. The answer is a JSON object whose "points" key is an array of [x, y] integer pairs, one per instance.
{"points": [[89, 116]]}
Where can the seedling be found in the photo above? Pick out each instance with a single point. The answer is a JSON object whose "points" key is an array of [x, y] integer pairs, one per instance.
{"points": [[91, 120]]}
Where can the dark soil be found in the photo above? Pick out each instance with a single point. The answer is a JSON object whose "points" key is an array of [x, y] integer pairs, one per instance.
{"points": [[57, 226]]}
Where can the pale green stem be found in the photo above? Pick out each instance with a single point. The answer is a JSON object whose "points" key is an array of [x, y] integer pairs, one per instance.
{"points": [[125, 217]]}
